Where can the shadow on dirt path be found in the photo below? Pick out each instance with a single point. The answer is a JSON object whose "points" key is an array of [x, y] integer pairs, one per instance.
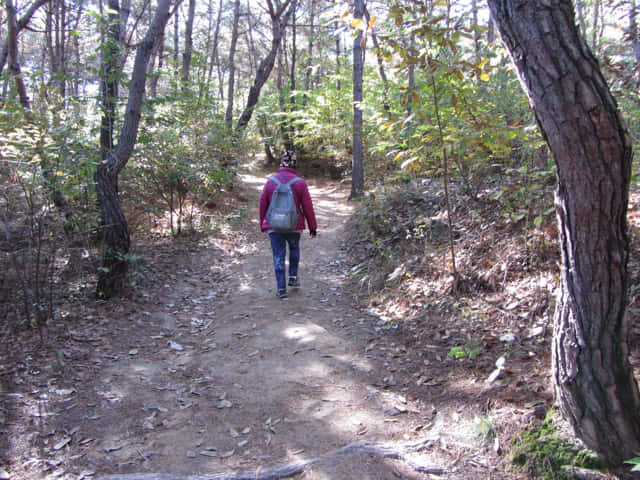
{"points": [[208, 372]]}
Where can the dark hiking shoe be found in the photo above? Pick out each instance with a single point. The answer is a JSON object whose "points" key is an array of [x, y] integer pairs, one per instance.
{"points": [[282, 294], [294, 282]]}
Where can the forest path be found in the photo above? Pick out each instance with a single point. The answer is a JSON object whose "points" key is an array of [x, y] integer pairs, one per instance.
{"points": [[205, 373], [241, 380]]}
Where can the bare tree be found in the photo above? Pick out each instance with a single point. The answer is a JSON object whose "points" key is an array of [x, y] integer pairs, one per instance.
{"points": [[579, 118]]}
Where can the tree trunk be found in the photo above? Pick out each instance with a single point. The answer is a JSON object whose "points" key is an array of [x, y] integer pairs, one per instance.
{"points": [[381, 71], [312, 32], [232, 65], [633, 34], [158, 53], [111, 71], [279, 19], [216, 54], [12, 53], [188, 45], [594, 382], [357, 175], [580, 10], [116, 232], [19, 25], [253, 51]]}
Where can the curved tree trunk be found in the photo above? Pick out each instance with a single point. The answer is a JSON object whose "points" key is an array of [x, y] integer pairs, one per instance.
{"points": [[593, 379], [116, 231]]}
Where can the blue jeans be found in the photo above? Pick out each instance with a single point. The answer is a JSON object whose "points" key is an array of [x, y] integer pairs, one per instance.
{"points": [[279, 243]]}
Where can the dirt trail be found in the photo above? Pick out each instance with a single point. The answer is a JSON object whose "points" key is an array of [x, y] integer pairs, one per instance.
{"points": [[208, 372]]}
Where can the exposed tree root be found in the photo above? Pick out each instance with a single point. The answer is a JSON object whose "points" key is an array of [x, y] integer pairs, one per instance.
{"points": [[409, 453]]}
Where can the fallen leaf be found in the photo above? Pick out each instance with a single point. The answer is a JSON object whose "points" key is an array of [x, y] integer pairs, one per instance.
{"points": [[62, 443]]}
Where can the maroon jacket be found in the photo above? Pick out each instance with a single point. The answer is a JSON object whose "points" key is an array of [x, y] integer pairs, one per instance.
{"points": [[300, 193]]}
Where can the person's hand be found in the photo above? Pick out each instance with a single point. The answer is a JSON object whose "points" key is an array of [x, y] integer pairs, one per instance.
{"points": [[313, 233]]}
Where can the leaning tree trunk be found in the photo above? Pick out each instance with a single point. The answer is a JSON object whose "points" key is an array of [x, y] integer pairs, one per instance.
{"points": [[116, 231], [279, 18], [593, 379]]}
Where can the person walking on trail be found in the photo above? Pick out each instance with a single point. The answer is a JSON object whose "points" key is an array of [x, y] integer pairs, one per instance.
{"points": [[287, 178]]}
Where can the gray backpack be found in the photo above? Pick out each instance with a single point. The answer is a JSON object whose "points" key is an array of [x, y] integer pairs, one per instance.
{"points": [[282, 213]]}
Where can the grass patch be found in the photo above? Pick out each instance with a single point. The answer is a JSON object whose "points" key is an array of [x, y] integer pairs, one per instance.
{"points": [[540, 452]]}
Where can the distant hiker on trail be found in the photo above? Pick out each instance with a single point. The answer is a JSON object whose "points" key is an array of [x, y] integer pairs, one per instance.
{"points": [[285, 204]]}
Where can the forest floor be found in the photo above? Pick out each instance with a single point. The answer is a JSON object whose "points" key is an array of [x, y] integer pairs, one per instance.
{"points": [[201, 372]]}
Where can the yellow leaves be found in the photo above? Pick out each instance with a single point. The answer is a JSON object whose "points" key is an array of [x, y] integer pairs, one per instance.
{"points": [[357, 23], [480, 70]]}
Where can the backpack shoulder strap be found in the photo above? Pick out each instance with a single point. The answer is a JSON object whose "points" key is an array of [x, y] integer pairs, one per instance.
{"points": [[293, 180], [275, 179]]}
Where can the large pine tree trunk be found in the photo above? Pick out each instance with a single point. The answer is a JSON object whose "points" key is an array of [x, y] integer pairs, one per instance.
{"points": [[116, 233], [593, 379]]}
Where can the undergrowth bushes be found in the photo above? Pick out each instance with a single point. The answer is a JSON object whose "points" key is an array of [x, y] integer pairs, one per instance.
{"points": [[49, 217], [182, 165], [47, 210]]}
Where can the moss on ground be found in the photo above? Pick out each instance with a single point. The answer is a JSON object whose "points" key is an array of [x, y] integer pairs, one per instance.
{"points": [[541, 452]]}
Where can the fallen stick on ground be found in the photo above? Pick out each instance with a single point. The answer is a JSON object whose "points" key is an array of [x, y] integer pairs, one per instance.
{"points": [[409, 453]]}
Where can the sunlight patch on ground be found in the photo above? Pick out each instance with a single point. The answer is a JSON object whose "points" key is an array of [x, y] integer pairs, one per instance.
{"points": [[304, 333], [252, 180]]}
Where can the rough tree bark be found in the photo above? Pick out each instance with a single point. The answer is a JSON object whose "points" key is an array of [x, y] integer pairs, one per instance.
{"points": [[580, 121], [116, 232], [357, 175], [279, 17]]}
